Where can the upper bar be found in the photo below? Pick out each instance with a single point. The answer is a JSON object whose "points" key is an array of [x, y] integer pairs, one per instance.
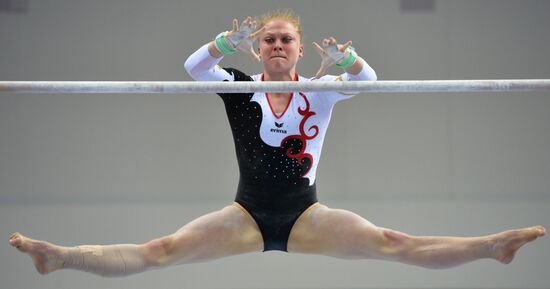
{"points": [[54, 87]]}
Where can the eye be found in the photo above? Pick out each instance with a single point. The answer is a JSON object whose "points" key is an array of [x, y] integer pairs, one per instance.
{"points": [[287, 39], [268, 40]]}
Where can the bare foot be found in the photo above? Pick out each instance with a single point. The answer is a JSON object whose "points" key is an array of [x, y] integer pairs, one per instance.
{"points": [[45, 256], [506, 244]]}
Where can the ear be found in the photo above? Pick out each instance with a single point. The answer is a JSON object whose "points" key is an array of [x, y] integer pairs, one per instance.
{"points": [[301, 50]]}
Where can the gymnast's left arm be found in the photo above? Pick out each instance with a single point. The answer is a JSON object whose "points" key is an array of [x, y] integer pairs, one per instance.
{"points": [[345, 57], [360, 70]]}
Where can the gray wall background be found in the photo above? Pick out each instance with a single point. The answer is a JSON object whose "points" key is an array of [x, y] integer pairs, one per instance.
{"points": [[127, 168]]}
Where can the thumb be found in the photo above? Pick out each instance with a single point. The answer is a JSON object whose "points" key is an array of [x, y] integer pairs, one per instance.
{"points": [[345, 46], [256, 34], [318, 48], [254, 55], [320, 72]]}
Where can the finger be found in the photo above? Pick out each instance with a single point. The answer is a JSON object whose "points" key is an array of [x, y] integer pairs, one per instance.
{"points": [[332, 41], [235, 25], [318, 48], [325, 42]]}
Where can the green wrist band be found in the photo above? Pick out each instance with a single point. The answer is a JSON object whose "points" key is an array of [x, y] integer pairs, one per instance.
{"points": [[349, 61], [223, 46]]}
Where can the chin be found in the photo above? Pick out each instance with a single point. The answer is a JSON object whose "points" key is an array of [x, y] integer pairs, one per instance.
{"points": [[280, 68]]}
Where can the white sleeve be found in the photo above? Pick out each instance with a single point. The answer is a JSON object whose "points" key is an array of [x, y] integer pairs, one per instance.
{"points": [[367, 73], [204, 67]]}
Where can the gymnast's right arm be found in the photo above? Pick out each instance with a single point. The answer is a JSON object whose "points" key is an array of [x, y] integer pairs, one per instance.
{"points": [[203, 64]]}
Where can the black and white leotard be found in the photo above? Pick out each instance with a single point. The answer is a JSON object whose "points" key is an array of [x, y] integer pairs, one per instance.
{"points": [[277, 155]]}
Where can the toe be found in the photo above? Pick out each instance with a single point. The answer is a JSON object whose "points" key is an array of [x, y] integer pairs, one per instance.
{"points": [[18, 243], [537, 231], [541, 231], [14, 235], [15, 241]]}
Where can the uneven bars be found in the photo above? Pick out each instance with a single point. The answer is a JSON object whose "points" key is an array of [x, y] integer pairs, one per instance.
{"points": [[410, 86]]}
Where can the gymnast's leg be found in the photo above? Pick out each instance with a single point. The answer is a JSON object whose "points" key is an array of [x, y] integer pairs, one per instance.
{"points": [[227, 232], [343, 234]]}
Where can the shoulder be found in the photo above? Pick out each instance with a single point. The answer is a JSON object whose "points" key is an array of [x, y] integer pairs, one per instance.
{"points": [[328, 77], [236, 75], [332, 96]]}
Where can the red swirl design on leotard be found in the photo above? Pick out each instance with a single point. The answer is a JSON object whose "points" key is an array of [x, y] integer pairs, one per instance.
{"points": [[303, 137]]}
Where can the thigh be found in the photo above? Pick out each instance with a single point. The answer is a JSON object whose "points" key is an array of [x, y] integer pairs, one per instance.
{"points": [[229, 231], [337, 233]]}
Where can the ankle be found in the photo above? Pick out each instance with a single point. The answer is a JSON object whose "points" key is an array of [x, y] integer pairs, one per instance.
{"points": [[490, 247]]}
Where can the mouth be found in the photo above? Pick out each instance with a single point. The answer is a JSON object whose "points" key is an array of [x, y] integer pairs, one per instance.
{"points": [[278, 56]]}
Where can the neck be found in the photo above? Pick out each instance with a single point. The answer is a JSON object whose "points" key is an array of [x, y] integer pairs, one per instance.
{"points": [[289, 76], [280, 76]]}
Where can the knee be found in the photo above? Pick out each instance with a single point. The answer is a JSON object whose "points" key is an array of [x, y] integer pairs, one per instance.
{"points": [[159, 250], [393, 243], [395, 237]]}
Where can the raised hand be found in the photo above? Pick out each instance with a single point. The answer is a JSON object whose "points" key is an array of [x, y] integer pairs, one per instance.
{"points": [[331, 53], [242, 38]]}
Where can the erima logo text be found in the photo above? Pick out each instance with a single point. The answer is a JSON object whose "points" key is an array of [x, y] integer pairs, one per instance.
{"points": [[278, 130]]}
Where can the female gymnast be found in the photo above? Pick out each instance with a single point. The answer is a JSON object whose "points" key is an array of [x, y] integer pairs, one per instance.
{"points": [[278, 139]]}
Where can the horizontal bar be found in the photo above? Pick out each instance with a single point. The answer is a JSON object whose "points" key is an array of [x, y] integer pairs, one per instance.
{"points": [[274, 86]]}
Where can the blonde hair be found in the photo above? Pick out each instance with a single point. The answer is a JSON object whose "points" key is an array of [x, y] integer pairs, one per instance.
{"points": [[283, 14]]}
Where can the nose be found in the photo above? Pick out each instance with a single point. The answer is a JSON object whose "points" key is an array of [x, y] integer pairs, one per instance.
{"points": [[277, 46]]}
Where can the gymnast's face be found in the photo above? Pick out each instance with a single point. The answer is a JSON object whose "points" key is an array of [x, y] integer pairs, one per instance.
{"points": [[280, 46]]}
